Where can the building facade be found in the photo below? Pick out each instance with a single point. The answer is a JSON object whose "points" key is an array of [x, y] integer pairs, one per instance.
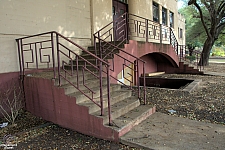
{"points": [[76, 19]]}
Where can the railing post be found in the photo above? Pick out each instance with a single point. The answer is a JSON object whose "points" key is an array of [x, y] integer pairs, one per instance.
{"points": [[21, 49], [108, 91], [53, 55], [101, 98], [144, 83], [138, 80], [18, 47], [100, 45], [146, 20], [160, 36], [127, 27], [170, 36], [58, 58]]}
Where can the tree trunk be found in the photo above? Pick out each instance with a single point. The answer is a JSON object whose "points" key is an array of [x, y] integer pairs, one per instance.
{"points": [[204, 60]]}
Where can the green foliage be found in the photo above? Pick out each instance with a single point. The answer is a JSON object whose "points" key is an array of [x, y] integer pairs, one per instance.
{"points": [[195, 32], [218, 51]]}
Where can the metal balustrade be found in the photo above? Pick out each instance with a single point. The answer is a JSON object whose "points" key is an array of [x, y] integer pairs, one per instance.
{"points": [[55, 52]]}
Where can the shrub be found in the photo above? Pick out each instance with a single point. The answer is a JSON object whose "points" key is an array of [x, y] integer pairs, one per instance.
{"points": [[191, 58], [11, 101]]}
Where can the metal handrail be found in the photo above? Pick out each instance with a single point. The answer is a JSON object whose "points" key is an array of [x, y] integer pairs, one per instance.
{"points": [[35, 47], [107, 42], [180, 51]]}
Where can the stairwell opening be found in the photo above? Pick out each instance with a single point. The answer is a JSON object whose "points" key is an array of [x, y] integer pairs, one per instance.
{"points": [[171, 83]]}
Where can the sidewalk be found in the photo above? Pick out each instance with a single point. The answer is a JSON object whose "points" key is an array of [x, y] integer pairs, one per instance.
{"points": [[166, 132]]}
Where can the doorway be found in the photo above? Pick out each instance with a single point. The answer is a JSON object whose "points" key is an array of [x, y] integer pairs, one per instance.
{"points": [[120, 22]]}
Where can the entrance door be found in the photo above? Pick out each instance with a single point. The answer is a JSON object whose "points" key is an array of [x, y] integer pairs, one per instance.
{"points": [[120, 23]]}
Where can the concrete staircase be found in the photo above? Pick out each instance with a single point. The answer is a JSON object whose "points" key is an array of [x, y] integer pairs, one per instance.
{"points": [[67, 106], [106, 49], [184, 68], [125, 106]]}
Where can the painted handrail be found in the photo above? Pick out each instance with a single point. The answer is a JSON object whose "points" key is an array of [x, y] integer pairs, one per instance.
{"points": [[43, 49], [105, 45]]}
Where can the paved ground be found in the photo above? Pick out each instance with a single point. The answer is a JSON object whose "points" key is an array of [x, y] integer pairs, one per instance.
{"points": [[166, 132]]}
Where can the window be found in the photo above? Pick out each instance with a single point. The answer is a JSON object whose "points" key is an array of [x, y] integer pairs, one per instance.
{"points": [[180, 33], [155, 12], [164, 16], [171, 19]]}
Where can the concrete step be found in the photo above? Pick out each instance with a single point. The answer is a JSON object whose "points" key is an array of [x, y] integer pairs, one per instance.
{"points": [[106, 45], [115, 97], [126, 122], [119, 108], [80, 97], [90, 83], [73, 79], [81, 67], [105, 50], [87, 56]]}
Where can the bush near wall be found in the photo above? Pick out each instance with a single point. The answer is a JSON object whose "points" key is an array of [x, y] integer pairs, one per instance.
{"points": [[11, 99], [190, 58]]}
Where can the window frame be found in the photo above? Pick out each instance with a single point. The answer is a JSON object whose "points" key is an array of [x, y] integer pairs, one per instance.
{"points": [[180, 33], [155, 6], [171, 19], [164, 16]]}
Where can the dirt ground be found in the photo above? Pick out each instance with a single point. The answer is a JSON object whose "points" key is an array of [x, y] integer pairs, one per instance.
{"points": [[206, 104]]}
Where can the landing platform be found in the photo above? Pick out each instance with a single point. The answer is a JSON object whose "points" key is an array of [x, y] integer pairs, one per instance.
{"points": [[166, 132]]}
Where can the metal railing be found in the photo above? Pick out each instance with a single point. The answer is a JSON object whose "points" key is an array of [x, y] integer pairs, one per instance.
{"points": [[108, 42], [193, 57], [129, 26], [55, 52], [182, 50]]}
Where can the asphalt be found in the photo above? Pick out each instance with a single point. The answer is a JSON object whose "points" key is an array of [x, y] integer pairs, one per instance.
{"points": [[165, 132]]}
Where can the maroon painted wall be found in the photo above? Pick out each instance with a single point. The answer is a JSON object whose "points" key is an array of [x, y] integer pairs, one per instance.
{"points": [[7, 77], [151, 65], [45, 100], [145, 50], [7, 80]]}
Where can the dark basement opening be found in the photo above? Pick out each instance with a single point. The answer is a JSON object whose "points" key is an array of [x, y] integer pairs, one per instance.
{"points": [[169, 83]]}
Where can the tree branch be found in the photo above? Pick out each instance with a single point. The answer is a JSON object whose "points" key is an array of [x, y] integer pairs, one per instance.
{"points": [[221, 26], [207, 5], [221, 6], [203, 22]]}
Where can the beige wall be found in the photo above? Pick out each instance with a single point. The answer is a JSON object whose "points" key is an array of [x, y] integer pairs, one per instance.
{"points": [[26, 17], [77, 19], [101, 13], [181, 25], [141, 8], [144, 8]]}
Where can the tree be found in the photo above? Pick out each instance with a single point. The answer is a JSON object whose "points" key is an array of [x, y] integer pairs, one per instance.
{"points": [[212, 16]]}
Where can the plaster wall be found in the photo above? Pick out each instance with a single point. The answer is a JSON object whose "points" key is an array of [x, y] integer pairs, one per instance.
{"points": [[181, 25], [143, 50], [144, 8], [27, 17], [101, 14]]}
